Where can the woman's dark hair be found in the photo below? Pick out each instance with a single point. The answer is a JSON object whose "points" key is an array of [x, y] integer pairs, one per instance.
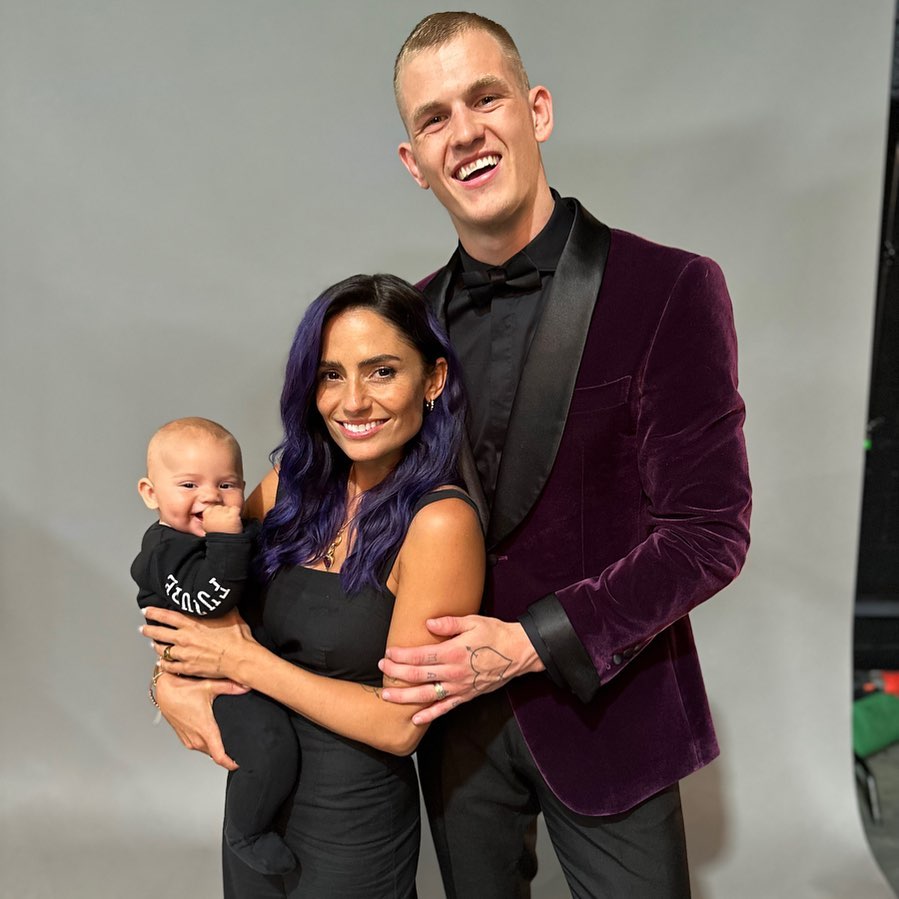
{"points": [[312, 482]]}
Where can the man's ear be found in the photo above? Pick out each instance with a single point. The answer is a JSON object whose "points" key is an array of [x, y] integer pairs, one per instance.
{"points": [[147, 493], [408, 160], [541, 103]]}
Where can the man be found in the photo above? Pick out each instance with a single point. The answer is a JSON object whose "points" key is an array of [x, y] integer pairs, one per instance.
{"points": [[608, 458]]}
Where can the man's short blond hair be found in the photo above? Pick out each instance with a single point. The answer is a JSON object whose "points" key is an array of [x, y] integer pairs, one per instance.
{"points": [[194, 425], [440, 28]]}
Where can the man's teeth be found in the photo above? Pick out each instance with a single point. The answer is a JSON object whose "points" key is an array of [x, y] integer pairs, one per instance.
{"points": [[485, 162], [360, 428]]}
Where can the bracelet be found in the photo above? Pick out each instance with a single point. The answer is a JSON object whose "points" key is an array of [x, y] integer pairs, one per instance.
{"points": [[151, 687]]}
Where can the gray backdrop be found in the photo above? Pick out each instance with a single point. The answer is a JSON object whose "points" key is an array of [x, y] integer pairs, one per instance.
{"points": [[179, 179]]}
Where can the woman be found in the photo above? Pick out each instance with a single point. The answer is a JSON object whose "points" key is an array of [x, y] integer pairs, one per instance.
{"points": [[365, 541]]}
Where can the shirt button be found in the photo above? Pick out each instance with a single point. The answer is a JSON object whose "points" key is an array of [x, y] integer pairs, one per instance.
{"points": [[617, 659]]}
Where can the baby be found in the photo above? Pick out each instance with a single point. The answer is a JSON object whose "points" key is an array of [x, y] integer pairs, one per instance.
{"points": [[196, 560]]}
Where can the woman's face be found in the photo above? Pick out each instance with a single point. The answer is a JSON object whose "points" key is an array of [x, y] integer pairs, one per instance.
{"points": [[372, 386]]}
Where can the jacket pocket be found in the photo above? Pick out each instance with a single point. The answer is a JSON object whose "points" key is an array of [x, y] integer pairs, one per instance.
{"points": [[600, 396]]}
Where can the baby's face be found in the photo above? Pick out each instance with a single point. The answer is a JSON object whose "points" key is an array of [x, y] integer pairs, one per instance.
{"points": [[190, 473]]}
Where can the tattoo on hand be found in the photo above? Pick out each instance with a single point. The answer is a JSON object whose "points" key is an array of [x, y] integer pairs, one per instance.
{"points": [[430, 675], [431, 659], [370, 689], [489, 666]]}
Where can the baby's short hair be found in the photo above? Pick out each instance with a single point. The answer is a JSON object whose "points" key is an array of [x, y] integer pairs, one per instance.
{"points": [[196, 425]]}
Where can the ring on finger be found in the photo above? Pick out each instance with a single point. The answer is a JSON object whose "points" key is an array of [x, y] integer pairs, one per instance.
{"points": [[440, 690], [167, 654]]}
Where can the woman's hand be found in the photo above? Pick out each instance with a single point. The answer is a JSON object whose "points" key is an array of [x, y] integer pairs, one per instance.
{"points": [[208, 647], [186, 703]]}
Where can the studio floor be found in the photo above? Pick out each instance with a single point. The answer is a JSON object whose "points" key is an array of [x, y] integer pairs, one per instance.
{"points": [[884, 836]]}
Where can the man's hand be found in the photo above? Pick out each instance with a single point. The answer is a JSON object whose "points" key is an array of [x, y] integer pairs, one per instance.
{"points": [[186, 703], [483, 654], [222, 520]]}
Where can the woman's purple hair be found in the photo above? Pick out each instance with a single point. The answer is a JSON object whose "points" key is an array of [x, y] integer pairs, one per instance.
{"points": [[312, 482]]}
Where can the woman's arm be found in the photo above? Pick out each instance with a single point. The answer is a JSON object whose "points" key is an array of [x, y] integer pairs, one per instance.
{"points": [[186, 703], [439, 571]]}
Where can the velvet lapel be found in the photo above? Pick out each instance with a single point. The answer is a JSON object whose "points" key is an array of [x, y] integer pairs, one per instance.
{"points": [[437, 291], [547, 382]]}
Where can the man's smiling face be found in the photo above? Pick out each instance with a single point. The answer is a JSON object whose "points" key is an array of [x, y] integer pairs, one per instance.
{"points": [[474, 135]]}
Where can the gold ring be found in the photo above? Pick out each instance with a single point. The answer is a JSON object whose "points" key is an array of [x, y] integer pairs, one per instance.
{"points": [[440, 690], [167, 653]]}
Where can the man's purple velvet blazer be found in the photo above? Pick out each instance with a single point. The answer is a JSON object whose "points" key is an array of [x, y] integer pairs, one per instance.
{"points": [[624, 491]]}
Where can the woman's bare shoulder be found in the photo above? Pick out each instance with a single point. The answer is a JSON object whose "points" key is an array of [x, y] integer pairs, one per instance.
{"points": [[261, 501], [444, 518]]}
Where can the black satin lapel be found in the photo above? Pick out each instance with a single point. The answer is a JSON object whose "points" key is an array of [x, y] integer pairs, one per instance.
{"points": [[547, 382], [469, 471], [437, 293]]}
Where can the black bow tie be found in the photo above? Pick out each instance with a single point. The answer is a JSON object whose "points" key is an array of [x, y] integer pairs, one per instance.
{"points": [[520, 274]]}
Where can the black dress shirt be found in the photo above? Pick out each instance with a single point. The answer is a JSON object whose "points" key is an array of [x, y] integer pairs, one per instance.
{"points": [[491, 339]]}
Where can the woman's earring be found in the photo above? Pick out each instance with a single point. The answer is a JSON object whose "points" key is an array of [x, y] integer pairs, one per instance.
{"points": [[429, 406]]}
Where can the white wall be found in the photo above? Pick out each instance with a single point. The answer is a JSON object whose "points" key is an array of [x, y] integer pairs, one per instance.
{"points": [[179, 179]]}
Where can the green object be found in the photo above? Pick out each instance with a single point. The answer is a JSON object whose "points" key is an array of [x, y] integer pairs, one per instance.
{"points": [[875, 723]]}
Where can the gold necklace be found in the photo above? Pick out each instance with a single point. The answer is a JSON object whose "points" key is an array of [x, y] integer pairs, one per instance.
{"points": [[328, 557]]}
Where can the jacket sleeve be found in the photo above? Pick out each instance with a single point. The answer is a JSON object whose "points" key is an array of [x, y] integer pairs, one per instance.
{"points": [[695, 482], [199, 576]]}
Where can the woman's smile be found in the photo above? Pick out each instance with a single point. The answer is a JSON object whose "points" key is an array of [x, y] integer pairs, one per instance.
{"points": [[362, 428]]}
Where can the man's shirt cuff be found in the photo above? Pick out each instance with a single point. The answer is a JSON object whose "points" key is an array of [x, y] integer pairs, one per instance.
{"points": [[559, 647]]}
